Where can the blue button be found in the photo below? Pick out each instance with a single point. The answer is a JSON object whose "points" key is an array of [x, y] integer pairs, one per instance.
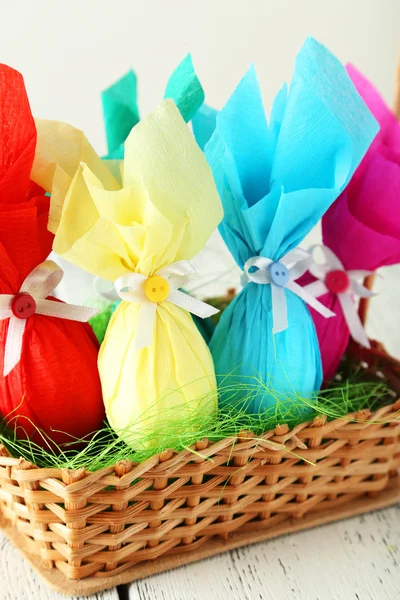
{"points": [[279, 274]]}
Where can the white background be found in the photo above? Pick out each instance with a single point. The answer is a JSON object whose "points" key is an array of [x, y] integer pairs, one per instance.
{"points": [[69, 50]]}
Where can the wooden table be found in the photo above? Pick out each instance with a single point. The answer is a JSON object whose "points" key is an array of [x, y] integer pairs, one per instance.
{"points": [[357, 559]]}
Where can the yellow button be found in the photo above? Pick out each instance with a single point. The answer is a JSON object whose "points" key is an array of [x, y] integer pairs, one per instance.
{"points": [[156, 288]]}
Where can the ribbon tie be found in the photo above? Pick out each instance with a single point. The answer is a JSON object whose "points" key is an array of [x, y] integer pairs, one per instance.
{"points": [[280, 275], [30, 300], [161, 286], [332, 277]]}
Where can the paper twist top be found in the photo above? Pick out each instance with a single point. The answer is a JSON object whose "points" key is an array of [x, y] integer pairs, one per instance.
{"points": [[276, 179], [158, 207]]}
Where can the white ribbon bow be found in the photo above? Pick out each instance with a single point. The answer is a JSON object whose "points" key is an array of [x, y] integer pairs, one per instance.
{"points": [[38, 284], [131, 288], [346, 298], [296, 262]]}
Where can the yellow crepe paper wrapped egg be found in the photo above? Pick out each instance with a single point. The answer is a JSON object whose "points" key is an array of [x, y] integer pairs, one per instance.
{"points": [[138, 219]]}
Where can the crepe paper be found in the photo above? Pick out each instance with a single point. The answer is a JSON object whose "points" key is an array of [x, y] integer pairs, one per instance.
{"points": [[161, 286], [32, 299], [331, 276], [99, 323], [120, 112], [162, 211], [389, 133], [120, 108], [281, 276], [205, 326], [204, 122], [55, 386], [185, 89], [18, 136], [275, 182], [362, 227], [50, 154]]}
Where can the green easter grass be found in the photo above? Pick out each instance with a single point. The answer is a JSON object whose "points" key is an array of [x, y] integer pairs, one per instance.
{"points": [[179, 432]]}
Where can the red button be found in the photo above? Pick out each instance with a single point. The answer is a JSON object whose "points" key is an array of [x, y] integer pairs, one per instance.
{"points": [[337, 281], [23, 306]]}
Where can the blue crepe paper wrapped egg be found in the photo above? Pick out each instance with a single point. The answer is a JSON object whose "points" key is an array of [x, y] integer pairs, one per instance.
{"points": [[276, 180]]}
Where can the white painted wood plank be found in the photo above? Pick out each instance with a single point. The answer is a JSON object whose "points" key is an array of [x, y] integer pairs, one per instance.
{"points": [[357, 559], [347, 560], [212, 579], [19, 582]]}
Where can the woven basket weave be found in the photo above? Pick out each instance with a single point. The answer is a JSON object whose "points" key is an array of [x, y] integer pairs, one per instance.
{"points": [[100, 524]]}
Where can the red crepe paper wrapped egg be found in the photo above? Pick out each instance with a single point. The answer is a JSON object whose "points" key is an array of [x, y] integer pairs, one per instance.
{"points": [[54, 388]]}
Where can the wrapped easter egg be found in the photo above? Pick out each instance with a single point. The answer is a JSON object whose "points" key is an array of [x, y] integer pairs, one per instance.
{"points": [[49, 384], [361, 233], [139, 229], [276, 179]]}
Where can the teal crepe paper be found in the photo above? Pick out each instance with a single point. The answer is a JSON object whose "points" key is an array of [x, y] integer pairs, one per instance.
{"points": [[205, 326], [276, 181], [120, 107], [120, 112], [185, 89]]}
